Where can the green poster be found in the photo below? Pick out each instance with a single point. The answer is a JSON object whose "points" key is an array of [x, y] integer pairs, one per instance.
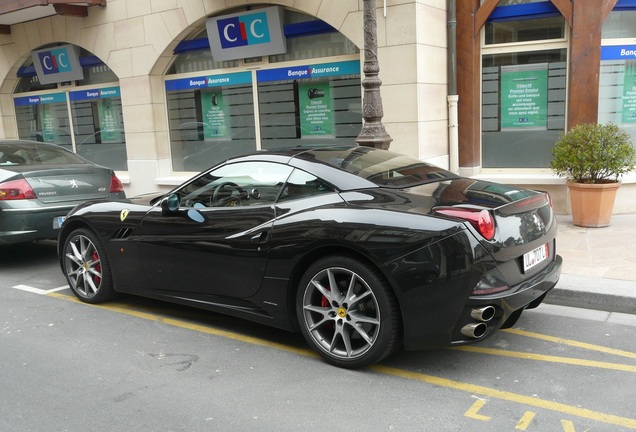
{"points": [[524, 97], [48, 123], [629, 95], [111, 130], [316, 110], [214, 116]]}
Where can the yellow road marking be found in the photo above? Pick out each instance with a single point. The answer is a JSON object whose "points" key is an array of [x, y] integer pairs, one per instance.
{"points": [[508, 396], [473, 411], [190, 326], [573, 343], [568, 426], [387, 370], [525, 420], [548, 358]]}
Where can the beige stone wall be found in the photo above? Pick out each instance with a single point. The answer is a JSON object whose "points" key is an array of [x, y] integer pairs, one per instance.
{"points": [[135, 38]]}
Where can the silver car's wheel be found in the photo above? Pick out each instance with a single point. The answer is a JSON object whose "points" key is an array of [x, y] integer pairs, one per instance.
{"points": [[86, 267], [347, 312]]}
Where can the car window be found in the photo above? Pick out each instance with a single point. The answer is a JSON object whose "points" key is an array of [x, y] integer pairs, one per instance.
{"points": [[27, 154], [238, 184], [384, 168], [302, 185]]}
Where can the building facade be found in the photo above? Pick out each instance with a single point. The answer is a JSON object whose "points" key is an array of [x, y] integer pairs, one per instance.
{"points": [[155, 95]]}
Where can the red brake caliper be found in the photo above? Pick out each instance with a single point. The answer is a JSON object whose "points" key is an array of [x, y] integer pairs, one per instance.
{"points": [[98, 267]]}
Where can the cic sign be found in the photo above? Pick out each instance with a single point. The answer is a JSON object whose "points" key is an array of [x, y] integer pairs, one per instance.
{"points": [[247, 34], [57, 64]]}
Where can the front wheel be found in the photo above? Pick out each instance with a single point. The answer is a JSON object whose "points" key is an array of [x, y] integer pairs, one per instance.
{"points": [[86, 267], [347, 312]]}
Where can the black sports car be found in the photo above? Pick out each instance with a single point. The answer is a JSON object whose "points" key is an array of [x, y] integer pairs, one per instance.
{"points": [[362, 250]]}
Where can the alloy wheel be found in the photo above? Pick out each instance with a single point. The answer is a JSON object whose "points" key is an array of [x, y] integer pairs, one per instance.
{"points": [[341, 313]]}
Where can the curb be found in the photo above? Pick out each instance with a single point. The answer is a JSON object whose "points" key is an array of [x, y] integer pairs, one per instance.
{"points": [[610, 295]]}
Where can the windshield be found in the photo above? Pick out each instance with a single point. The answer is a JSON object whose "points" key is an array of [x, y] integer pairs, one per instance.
{"points": [[382, 167]]}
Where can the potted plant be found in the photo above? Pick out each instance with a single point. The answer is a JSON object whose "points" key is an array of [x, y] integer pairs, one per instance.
{"points": [[593, 157]]}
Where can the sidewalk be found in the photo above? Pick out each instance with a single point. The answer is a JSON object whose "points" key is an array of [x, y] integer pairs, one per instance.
{"points": [[599, 266]]}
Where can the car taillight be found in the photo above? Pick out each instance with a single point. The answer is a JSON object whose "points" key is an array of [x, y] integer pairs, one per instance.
{"points": [[481, 220], [115, 184], [16, 190]]}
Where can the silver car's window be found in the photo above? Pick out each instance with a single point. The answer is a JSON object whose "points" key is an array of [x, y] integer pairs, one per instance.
{"points": [[28, 154], [238, 184]]}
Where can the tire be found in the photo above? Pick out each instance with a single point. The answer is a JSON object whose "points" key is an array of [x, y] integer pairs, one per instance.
{"points": [[86, 267], [353, 326]]}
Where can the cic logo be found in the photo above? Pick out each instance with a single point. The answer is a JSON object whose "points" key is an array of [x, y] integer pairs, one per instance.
{"points": [[243, 30], [55, 61]]}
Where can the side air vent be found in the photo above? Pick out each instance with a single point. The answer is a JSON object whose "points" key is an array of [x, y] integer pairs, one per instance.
{"points": [[122, 233]]}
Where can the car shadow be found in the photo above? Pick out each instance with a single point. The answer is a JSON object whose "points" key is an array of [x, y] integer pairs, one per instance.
{"points": [[22, 256]]}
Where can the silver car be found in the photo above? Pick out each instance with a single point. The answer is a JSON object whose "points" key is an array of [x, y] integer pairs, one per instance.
{"points": [[40, 183]]}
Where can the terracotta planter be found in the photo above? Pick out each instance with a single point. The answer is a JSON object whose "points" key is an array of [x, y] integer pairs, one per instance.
{"points": [[592, 204]]}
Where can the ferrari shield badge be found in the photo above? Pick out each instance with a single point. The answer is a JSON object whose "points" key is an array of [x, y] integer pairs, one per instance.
{"points": [[123, 214]]}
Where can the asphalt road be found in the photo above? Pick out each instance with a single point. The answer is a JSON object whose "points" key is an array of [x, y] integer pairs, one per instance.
{"points": [[139, 365]]}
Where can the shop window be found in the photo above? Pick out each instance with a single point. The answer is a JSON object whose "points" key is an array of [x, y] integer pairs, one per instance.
{"points": [[319, 105], [217, 116], [523, 107], [210, 124], [617, 80], [524, 21], [44, 118], [620, 24], [98, 125]]}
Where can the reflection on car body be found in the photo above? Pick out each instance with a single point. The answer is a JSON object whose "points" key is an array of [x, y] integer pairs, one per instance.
{"points": [[362, 250]]}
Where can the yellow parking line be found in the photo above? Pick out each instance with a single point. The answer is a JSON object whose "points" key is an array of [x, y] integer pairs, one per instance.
{"points": [[508, 396], [190, 326], [548, 358], [573, 343], [415, 376]]}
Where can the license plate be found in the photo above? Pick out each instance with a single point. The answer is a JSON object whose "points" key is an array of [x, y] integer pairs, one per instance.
{"points": [[535, 257], [58, 221]]}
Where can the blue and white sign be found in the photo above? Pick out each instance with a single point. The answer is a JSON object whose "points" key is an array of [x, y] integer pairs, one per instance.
{"points": [[247, 34], [101, 93], [307, 72], [40, 99], [57, 64], [618, 52], [209, 81]]}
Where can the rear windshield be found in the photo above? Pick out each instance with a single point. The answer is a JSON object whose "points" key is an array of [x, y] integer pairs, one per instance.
{"points": [[12, 154], [382, 167]]}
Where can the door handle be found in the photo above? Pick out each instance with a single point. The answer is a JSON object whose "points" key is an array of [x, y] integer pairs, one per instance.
{"points": [[260, 238]]}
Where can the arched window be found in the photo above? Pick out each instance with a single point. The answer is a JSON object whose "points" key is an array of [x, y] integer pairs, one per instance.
{"points": [[95, 128], [219, 109]]}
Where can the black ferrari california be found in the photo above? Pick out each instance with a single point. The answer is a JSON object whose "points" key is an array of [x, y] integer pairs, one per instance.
{"points": [[363, 250]]}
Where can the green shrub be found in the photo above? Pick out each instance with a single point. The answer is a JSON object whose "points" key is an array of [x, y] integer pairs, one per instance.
{"points": [[593, 153]]}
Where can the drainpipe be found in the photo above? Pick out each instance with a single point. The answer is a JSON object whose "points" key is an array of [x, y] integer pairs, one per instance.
{"points": [[452, 98]]}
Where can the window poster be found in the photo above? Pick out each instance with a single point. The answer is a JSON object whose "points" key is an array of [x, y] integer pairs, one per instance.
{"points": [[214, 116], [48, 123], [629, 93], [316, 108], [110, 127], [524, 96]]}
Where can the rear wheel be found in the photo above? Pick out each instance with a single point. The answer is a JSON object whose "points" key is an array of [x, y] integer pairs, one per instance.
{"points": [[86, 267], [347, 312]]}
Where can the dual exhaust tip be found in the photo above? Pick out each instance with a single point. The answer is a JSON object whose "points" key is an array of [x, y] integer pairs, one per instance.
{"points": [[477, 330]]}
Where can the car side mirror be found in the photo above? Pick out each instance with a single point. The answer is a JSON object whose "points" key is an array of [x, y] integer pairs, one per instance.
{"points": [[170, 204]]}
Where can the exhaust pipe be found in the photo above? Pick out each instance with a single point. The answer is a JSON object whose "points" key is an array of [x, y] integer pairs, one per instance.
{"points": [[483, 314], [474, 330]]}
